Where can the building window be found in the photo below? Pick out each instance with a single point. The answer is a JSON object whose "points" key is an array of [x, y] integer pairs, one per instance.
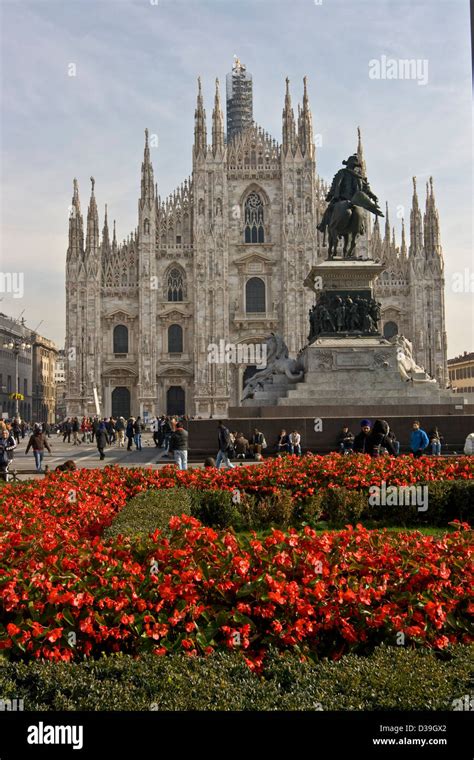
{"points": [[254, 232], [175, 285], [120, 339], [175, 339], [175, 400], [25, 387], [178, 239], [390, 329], [255, 295], [9, 384]]}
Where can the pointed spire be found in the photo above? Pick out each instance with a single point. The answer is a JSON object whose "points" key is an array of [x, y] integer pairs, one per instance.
{"points": [[200, 129], [92, 237], [403, 248], [105, 234], [305, 125], [217, 124], [376, 240], [289, 128], [114, 240], [360, 153], [416, 232], [76, 226], [432, 242], [147, 183]]}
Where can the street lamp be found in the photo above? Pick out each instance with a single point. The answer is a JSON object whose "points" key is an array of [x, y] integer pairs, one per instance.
{"points": [[16, 346]]}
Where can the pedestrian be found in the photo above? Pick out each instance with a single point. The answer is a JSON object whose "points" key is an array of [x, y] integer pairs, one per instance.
{"points": [[67, 430], [137, 431], [295, 443], [469, 445], [224, 444], [167, 429], [110, 425], [120, 430], [75, 431], [7, 444], [360, 441], [155, 429], [418, 439], [435, 439], [129, 432], [345, 441], [179, 446], [378, 441], [102, 439], [16, 430], [38, 442]]}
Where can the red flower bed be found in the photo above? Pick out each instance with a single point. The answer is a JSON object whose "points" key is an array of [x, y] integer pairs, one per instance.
{"points": [[66, 593]]}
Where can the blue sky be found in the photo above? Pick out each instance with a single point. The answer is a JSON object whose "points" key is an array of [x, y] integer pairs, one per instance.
{"points": [[136, 67]]}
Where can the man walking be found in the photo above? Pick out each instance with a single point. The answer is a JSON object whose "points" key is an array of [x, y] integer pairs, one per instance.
{"points": [[224, 443], [179, 446], [137, 430], [38, 443]]}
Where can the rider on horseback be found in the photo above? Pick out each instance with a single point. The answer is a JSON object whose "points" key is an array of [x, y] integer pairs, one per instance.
{"points": [[346, 183]]}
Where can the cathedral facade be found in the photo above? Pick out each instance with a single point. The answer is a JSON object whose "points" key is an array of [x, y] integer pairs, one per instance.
{"points": [[223, 259]]}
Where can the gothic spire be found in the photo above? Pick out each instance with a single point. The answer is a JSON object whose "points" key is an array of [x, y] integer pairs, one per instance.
{"points": [[376, 240], [416, 231], [200, 130], [289, 129], [76, 226], [305, 126], [105, 234], [147, 185], [114, 240], [217, 123], [360, 153], [92, 237], [403, 248], [432, 243]]}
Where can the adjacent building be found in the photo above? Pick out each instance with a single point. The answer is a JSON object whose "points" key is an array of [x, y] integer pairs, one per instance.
{"points": [[44, 353], [224, 258], [461, 373], [16, 331]]}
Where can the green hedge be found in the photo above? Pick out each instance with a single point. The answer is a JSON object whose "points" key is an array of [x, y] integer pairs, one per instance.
{"points": [[148, 511], [390, 679], [447, 501]]}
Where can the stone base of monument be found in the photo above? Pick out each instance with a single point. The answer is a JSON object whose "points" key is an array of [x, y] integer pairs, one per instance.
{"points": [[356, 372]]}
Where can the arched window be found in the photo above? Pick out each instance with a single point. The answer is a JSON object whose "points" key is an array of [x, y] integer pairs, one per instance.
{"points": [[175, 339], [254, 232], [120, 339], [175, 285], [255, 295], [390, 329]]}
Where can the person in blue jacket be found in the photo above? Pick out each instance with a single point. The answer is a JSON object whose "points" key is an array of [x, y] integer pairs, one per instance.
{"points": [[418, 440]]}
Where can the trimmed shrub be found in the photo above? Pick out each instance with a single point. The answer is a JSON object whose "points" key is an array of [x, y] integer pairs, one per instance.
{"points": [[309, 509], [393, 678], [343, 505], [149, 511], [215, 508]]}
